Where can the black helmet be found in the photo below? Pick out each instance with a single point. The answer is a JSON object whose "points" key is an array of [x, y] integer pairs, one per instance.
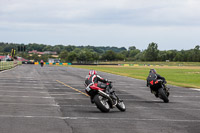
{"points": [[152, 71]]}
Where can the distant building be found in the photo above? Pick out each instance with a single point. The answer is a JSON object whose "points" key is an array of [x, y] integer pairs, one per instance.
{"points": [[35, 52], [50, 60], [21, 59], [2, 58], [50, 52], [42, 53], [5, 58]]}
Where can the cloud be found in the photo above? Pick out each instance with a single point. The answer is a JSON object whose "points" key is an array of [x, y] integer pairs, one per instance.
{"points": [[132, 12], [102, 22]]}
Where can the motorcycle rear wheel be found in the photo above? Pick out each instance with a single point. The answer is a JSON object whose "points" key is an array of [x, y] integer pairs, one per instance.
{"points": [[163, 95], [101, 103]]}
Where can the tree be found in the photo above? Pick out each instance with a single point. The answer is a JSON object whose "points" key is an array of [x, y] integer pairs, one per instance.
{"points": [[45, 57], [151, 53], [162, 56], [72, 56], [81, 57], [133, 53], [57, 49], [47, 48], [132, 48], [63, 56], [109, 55], [95, 56], [196, 53], [34, 57], [139, 57]]}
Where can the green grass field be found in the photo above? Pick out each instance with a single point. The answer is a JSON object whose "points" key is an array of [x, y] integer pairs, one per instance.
{"points": [[155, 63], [187, 76], [8, 65]]}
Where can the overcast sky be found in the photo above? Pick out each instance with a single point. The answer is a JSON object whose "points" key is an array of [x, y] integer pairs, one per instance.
{"points": [[172, 24]]}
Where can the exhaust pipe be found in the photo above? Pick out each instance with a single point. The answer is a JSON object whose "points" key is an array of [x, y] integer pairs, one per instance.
{"points": [[106, 96]]}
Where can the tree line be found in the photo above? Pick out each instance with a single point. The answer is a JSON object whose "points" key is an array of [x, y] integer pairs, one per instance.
{"points": [[92, 54]]}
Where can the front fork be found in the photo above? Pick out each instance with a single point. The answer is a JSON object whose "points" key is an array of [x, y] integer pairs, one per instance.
{"points": [[166, 89]]}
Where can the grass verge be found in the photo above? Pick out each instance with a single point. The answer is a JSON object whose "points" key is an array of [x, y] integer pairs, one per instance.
{"points": [[180, 76]]}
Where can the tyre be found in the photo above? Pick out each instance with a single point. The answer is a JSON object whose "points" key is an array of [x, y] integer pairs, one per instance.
{"points": [[101, 103], [162, 95], [121, 106]]}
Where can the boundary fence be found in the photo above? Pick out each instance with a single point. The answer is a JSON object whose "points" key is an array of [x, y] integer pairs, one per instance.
{"points": [[57, 64], [5, 65]]}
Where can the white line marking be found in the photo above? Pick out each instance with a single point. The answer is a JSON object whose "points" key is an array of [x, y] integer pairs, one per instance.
{"points": [[144, 87], [135, 107], [26, 96], [43, 97], [72, 98], [23, 87], [18, 83], [196, 89], [185, 96], [62, 105], [29, 116], [66, 94], [98, 118], [24, 91], [138, 107], [24, 84], [27, 104], [7, 70], [42, 92], [92, 106], [132, 119], [28, 87]]}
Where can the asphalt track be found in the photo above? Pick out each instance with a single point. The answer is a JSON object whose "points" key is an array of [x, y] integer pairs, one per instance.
{"points": [[52, 100]]}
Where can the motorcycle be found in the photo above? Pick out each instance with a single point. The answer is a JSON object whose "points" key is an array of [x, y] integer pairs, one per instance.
{"points": [[160, 90], [42, 64], [105, 97]]}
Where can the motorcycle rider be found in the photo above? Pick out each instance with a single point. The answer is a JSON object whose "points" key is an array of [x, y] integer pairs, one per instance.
{"points": [[92, 80], [42, 63], [153, 75]]}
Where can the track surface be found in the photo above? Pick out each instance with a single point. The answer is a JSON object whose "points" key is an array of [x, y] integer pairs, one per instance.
{"points": [[48, 100]]}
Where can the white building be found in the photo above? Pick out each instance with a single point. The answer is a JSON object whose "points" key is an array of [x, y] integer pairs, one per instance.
{"points": [[50, 60]]}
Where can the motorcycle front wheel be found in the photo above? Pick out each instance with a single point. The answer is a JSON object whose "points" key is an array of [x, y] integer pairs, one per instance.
{"points": [[121, 106], [101, 103], [163, 95]]}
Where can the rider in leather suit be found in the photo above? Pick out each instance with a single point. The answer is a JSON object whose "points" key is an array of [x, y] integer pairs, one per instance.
{"points": [[92, 80], [154, 76]]}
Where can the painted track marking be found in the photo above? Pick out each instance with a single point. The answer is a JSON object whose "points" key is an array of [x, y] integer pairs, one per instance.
{"points": [[98, 118], [73, 88]]}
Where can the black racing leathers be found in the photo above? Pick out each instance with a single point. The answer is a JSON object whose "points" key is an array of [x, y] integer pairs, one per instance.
{"points": [[153, 76]]}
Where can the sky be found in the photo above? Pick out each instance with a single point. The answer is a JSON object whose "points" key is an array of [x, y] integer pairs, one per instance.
{"points": [[172, 24]]}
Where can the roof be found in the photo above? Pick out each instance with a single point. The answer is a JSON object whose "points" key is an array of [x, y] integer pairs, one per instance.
{"points": [[21, 59], [2, 57]]}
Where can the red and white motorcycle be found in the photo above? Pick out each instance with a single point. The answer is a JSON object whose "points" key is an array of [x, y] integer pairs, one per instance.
{"points": [[104, 97]]}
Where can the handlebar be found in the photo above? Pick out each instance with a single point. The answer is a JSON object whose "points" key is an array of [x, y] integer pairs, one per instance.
{"points": [[109, 81], [163, 81]]}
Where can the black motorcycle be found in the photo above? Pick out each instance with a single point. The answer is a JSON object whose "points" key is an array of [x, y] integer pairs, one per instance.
{"points": [[42, 64], [105, 97], [160, 90]]}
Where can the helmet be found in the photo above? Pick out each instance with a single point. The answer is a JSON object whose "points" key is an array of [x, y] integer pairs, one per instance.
{"points": [[92, 72], [152, 71]]}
